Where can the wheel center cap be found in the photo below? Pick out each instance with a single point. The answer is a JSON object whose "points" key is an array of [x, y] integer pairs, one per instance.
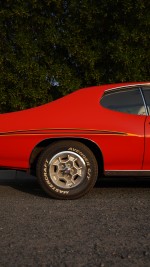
{"points": [[67, 171]]}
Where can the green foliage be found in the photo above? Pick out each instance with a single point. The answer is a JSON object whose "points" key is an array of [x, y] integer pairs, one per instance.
{"points": [[52, 47]]}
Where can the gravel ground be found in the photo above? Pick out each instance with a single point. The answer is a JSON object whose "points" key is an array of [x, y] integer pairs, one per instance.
{"points": [[108, 227]]}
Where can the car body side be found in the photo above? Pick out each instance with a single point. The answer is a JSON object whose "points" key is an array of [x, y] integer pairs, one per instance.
{"points": [[120, 143]]}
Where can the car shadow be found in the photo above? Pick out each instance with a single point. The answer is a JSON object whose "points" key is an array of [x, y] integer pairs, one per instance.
{"points": [[26, 183], [21, 181], [123, 182]]}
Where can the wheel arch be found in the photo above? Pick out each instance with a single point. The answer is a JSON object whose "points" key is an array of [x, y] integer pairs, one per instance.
{"points": [[46, 142]]}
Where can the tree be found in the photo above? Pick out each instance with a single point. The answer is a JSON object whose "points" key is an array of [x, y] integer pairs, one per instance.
{"points": [[52, 47]]}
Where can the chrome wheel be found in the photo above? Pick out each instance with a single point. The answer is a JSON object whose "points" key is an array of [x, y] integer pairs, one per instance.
{"points": [[67, 169]]}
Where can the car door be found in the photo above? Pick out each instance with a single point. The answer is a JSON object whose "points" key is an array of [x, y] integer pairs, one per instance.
{"points": [[146, 161], [123, 149]]}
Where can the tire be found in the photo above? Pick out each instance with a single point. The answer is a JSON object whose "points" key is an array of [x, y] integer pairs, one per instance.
{"points": [[67, 169]]}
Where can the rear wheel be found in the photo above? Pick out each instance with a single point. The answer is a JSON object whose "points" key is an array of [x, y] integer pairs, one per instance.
{"points": [[67, 169]]}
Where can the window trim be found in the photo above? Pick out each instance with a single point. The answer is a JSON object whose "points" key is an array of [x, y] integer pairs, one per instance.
{"points": [[142, 89], [144, 101], [138, 85], [125, 88]]}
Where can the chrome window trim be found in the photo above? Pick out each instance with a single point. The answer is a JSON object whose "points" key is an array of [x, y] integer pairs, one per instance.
{"points": [[142, 90], [143, 98], [127, 86]]}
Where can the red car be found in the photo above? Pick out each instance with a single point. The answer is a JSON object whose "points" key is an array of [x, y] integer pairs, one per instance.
{"points": [[70, 142]]}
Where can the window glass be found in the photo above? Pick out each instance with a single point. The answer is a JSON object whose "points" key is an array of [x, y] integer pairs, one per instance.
{"points": [[146, 92], [128, 101]]}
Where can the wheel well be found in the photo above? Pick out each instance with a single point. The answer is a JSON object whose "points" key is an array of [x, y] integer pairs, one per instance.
{"points": [[90, 144]]}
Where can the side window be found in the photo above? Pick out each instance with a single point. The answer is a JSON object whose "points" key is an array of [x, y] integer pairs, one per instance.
{"points": [[127, 101], [146, 92]]}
